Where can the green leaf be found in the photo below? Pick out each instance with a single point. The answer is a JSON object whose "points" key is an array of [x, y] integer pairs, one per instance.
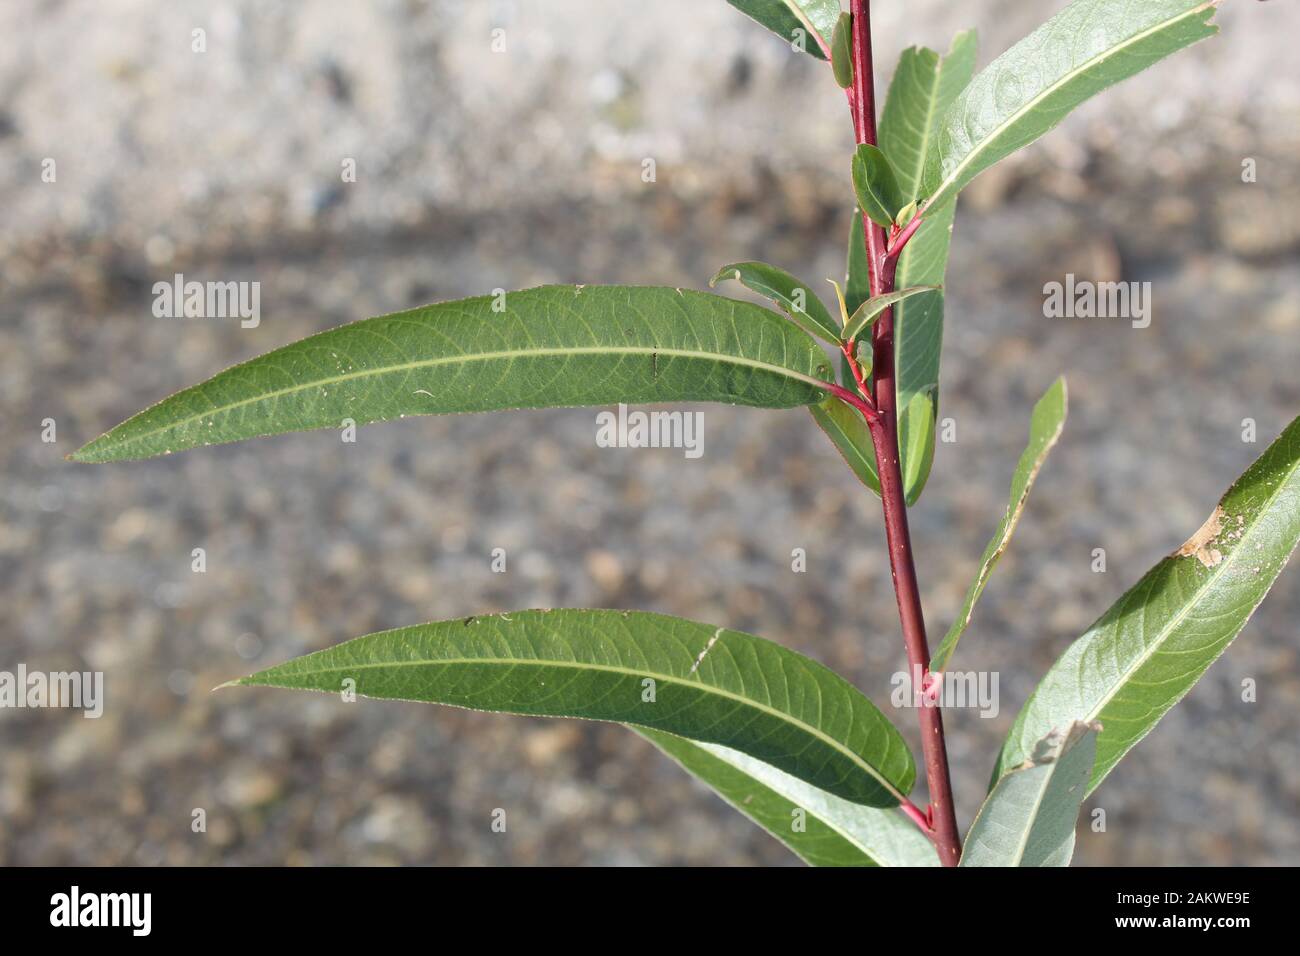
{"points": [[842, 51], [857, 288], [1029, 818], [693, 680], [1087, 47], [923, 87], [870, 310], [846, 429], [916, 444], [844, 426], [906, 214], [552, 346], [787, 18], [832, 832], [794, 298], [1147, 651], [1044, 429], [876, 185], [857, 274]]}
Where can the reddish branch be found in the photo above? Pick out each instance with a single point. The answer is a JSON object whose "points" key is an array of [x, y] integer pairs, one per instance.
{"points": [[881, 414]]}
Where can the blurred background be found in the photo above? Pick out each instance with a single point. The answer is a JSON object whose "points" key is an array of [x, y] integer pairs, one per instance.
{"points": [[478, 169]]}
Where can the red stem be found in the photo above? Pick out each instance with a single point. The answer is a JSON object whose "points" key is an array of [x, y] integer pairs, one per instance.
{"points": [[861, 403], [896, 244], [941, 818]]}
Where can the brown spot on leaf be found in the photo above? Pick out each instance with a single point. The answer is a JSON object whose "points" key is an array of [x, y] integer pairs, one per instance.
{"points": [[1201, 544]]}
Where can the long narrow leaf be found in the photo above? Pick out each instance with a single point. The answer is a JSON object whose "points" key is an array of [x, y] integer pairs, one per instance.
{"points": [[1044, 429], [1153, 645], [844, 426], [923, 88], [551, 346], [870, 310], [794, 297], [704, 683], [1029, 818], [1087, 47], [821, 829]]}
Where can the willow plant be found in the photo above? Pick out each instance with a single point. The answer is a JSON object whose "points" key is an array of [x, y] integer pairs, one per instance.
{"points": [[790, 743]]}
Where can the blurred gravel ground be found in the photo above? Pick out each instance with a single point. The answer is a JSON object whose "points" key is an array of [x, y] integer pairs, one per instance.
{"points": [[478, 170]]}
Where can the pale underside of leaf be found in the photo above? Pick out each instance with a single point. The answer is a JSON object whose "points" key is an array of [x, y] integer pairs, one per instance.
{"points": [[1029, 817], [1145, 653], [696, 681], [1028, 90], [820, 828], [1046, 423], [546, 347]]}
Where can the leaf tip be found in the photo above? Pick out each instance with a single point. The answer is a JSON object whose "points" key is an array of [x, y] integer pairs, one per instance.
{"points": [[723, 274], [87, 454]]}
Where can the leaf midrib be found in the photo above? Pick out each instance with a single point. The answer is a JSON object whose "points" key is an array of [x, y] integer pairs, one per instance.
{"points": [[625, 671], [1023, 843], [929, 121], [794, 7], [1033, 103], [1010, 521], [474, 357]]}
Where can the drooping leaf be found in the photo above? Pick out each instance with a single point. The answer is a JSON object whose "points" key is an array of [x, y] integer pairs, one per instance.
{"points": [[793, 20], [842, 51], [693, 680], [876, 185], [1087, 47], [793, 296], [923, 87], [844, 426], [1029, 817], [1152, 646], [551, 346], [1044, 429], [870, 310], [819, 828]]}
